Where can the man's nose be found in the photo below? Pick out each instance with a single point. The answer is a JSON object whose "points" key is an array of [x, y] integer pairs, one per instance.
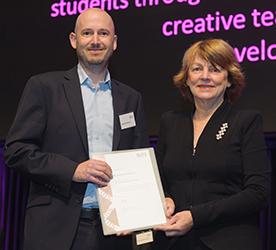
{"points": [[95, 39]]}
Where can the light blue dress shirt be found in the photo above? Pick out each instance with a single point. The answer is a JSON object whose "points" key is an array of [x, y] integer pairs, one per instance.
{"points": [[98, 109]]}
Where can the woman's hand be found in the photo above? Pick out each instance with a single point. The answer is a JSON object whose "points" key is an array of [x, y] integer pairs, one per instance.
{"points": [[170, 207], [178, 224]]}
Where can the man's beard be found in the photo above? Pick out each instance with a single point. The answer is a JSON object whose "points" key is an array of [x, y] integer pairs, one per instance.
{"points": [[96, 61]]}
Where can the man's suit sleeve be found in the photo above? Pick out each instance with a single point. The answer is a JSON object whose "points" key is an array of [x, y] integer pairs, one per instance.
{"points": [[25, 139], [255, 167]]}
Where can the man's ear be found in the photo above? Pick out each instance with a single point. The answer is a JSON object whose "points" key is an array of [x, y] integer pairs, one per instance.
{"points": [[73, 40], [115, 42]]}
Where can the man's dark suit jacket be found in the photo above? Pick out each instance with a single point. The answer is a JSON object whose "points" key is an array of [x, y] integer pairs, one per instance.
{"points": [[48, 140], [225, 184]]}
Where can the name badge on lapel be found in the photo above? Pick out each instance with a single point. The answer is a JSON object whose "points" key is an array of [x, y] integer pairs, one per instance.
{"points": [[127, 120]]}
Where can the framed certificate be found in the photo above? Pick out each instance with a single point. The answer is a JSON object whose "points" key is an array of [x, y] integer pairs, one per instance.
{"points": [[134, 198]]}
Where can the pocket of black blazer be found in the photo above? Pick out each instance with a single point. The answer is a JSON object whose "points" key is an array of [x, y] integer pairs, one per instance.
{"points": [[39, 201]]}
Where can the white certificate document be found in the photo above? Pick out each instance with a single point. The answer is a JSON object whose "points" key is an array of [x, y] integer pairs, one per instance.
{"points": [[134, 198]]}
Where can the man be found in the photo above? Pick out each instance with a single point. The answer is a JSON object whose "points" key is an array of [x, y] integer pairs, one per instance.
{"points": [[62, 119]]}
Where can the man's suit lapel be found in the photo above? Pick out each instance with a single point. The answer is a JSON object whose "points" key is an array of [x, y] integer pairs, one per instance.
{"points": [[73, 94], [119, 107]]}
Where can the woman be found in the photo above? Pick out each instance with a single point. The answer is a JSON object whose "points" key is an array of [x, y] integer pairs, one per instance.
{"points": [[213, 161]]}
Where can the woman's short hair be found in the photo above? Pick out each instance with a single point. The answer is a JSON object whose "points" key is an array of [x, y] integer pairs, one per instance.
{"points": [[218, 53]]}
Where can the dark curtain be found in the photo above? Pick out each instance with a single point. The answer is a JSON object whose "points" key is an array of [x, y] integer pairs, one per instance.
{"points": [[14, 189], [13, 195], [270, 224]]}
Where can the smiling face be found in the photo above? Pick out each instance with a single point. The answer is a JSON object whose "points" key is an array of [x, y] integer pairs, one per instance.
{"points": [[94, 38], [206, 81]]}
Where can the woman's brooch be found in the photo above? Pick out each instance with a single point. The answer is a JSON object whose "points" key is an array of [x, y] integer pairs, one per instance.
{"points": [[222, 131]]}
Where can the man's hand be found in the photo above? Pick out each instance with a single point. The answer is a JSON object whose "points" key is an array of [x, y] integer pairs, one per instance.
{"points": [[95, 171]]}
